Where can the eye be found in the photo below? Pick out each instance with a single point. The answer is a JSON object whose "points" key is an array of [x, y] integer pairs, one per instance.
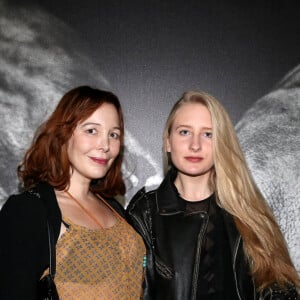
{"points": [[208, 134], [184, 132], [114, 135], [92, 131]]}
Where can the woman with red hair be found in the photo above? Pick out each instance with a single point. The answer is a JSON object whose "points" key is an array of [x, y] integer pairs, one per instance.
{"points": [[71, 174]]}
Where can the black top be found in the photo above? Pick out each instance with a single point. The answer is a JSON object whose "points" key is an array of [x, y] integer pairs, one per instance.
{"points": [[216, 279]]}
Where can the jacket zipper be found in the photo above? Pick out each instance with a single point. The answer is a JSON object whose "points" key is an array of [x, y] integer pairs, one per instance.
{"points": [[197, 260], [234, 270]]}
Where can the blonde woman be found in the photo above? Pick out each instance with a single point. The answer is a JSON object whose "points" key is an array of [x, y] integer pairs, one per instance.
{"points": [[209, 232]]}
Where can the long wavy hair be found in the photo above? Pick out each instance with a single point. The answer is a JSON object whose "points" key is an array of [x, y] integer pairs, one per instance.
{"points": [[237, 193], [47, 160]]}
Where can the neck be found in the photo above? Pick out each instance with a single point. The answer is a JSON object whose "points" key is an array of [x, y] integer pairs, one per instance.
{"points": [[193, 188], [80, 190]]}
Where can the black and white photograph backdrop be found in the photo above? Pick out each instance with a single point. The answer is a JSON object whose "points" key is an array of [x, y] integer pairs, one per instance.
{"points": [[245, 53]]}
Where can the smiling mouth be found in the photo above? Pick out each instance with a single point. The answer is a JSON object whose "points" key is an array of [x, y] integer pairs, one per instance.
{"points": [[100, 161], [193, 158]]}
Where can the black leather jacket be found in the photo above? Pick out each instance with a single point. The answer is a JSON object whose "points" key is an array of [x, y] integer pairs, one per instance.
{"points": [[157, 216]]}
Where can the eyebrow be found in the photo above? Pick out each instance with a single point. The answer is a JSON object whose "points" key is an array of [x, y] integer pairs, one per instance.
{"points": [[90, 123], [97, 124], [188, 126]]}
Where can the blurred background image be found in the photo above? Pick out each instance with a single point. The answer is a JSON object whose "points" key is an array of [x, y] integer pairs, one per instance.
{"points": [[149, 53]]}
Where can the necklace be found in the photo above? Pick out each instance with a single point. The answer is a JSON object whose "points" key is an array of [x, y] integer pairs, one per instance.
{"points": [[84, 209]]}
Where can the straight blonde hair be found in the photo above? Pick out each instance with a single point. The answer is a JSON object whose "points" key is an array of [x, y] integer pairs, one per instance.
{"points": [[237, 193]]}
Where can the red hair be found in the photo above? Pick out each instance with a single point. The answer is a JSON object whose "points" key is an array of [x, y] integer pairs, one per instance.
{"points": [[47, 159]]}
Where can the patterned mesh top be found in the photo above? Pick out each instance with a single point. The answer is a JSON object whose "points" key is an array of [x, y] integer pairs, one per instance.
{"points": [[99, 264]]}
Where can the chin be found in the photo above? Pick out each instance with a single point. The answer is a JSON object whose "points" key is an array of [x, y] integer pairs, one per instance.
{"points": [[195, 173], [98, 176]]}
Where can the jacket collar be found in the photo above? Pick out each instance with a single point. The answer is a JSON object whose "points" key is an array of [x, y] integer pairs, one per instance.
{"points": [[168, 200], [167, 197], [168, 203]]}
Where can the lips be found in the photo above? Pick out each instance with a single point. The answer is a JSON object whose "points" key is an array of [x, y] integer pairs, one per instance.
{"points": [[193, 159], [100, 161]]}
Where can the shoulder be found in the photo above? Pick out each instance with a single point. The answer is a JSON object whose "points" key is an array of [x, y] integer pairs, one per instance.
{"points": [[142, 200], [26, 203], [31, 209], [139, 213], [23, 216], [46, 193]]}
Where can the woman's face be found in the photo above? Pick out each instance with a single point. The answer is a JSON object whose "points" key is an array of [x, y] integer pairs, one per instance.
{"points": [[190, 140], [95, 143]]}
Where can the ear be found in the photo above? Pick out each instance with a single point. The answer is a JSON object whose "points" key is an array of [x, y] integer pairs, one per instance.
{"points": [[168, 145]]}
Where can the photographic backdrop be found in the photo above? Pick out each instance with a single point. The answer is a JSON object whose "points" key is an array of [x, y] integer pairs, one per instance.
{"points": [[149, 53]]}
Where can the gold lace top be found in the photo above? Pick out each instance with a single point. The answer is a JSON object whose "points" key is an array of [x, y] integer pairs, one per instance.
{"points": [[99, 264]]}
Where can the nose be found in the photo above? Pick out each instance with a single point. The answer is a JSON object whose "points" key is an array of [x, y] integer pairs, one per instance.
{"points": [[195, 144], [103, 144]]}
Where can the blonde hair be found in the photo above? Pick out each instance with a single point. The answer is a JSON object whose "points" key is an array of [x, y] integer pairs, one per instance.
{"points": [[237, 193]]}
